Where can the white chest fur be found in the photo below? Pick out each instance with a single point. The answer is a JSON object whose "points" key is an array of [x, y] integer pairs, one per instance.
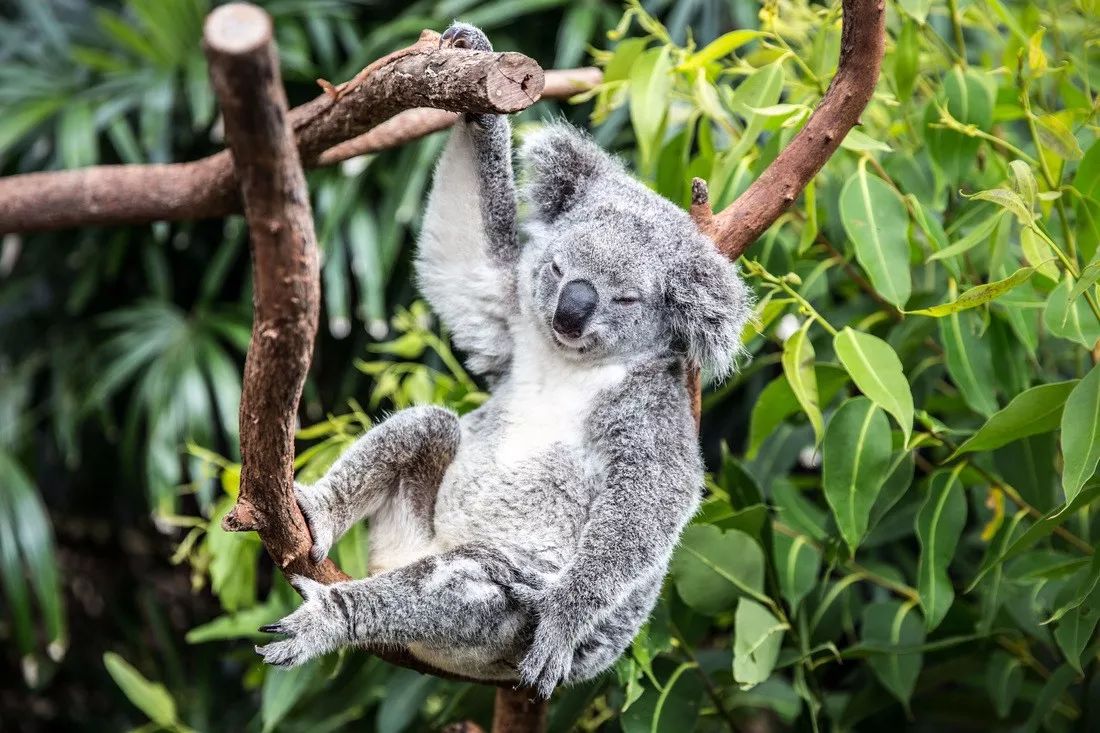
{"points": [[548, 398]]}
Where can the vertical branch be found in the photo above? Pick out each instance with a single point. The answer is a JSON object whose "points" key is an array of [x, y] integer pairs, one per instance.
{"points": [[244, 71], [519, 711]]}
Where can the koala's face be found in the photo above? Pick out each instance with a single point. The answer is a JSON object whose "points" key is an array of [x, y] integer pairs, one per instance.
{"points": [[596, 290], [611, 270]]}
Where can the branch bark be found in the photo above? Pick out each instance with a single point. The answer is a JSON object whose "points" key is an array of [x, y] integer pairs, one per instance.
{"points": [[862, 42], [245, 75], [421, 75]]}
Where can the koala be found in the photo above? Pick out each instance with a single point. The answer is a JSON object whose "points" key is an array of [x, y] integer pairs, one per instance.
{"points": [[527, 541]]}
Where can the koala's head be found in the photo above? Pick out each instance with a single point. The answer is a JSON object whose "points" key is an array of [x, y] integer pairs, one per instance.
{"points": [[613, 270]]}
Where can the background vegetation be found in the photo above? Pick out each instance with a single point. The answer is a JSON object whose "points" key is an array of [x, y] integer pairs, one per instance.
{"points": [[902, 514]]}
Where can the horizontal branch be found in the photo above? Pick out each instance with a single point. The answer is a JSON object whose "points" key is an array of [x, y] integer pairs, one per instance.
{"points": [[419, 76], [417, 123]]}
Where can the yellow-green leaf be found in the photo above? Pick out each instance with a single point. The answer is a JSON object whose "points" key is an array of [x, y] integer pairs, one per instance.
{"points": [[977, 295], [798, 366]]}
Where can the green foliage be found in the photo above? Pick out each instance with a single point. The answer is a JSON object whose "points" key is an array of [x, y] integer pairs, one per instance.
{"points": [[902, 512]]}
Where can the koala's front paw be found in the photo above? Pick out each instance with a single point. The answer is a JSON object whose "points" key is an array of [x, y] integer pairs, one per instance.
{"points": [[317, 511], [464, 35], [310, 631], [550, 658]]}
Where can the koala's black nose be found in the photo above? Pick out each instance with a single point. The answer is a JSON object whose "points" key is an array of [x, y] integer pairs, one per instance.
{"points": [[576, 304]]}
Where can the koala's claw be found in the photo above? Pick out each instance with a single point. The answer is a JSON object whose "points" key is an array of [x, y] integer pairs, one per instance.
{"points": [[549, 660], [309, 632], [464, 35]]}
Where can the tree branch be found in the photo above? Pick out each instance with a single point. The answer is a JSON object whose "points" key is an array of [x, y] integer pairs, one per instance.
{"points": [[245, 74], [421, 75], [416, 123], [862, 42]]}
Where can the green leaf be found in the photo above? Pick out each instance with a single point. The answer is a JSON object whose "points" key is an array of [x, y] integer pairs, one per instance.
{"points": [[721, 47], [1038, 254], [149, 697], [1023, 182], [916, 9], [650, 85], [1089, 275], [1046, 701], [1057, 138], [978, 235], [939, 525], [876, 370], [797, 563], [876, 223], [967, 99], [1081, 434], [1008, 200], [282, 689], [1075, 629], [977, 295], [968, 361], [892, 623], [798, 366], [1004, 676], [1070, 319], [1034, 411], [713, 568], [856, 461], [860, 141], [777, 402], [757, 638]]}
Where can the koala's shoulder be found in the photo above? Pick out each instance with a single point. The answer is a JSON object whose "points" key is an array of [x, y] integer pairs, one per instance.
{"points": [[651, 403]]}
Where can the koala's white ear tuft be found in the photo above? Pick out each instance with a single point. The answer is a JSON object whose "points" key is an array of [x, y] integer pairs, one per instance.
{"points": [[709, 305], [560, 164]]}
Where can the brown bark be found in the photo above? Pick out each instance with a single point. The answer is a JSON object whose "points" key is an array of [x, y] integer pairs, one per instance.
{"points": [[417, 123], [421, 75], [245, 75], [519, 711], [861, 47]]}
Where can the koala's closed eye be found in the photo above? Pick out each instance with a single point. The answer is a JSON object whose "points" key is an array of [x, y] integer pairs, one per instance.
{"points": [[628, 298], [555, 268]]}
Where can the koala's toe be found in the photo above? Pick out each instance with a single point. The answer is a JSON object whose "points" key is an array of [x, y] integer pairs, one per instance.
{"points": [[464, 35]]}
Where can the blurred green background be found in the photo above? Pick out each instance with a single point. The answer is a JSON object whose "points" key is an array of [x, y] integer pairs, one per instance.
{"points": [[125, 606]]}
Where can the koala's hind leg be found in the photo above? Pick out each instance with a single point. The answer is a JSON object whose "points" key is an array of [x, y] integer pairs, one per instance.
{"points": [[464, 600], [392, 474]]}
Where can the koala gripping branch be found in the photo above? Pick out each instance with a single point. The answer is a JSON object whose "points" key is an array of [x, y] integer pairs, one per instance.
{"points": [[419, 76], [267, 163]]}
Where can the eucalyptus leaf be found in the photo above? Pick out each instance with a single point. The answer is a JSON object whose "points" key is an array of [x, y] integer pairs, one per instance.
{"points": [[877, 371], [939, 525], [1081, 433], [876, 223], [1034, 411], [856, 460]]}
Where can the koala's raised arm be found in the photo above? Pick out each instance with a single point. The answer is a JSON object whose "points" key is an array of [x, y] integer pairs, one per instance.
{"points": [[468, 247]]}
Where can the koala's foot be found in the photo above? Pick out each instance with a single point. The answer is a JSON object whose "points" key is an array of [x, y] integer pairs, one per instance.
{"points": [[315, 507], [312, 630], [464, 35]]}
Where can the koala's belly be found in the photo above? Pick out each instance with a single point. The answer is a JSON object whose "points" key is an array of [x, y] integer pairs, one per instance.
{"points": [[536, 503]]}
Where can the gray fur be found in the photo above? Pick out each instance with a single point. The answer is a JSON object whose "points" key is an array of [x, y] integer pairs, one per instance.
{"points": [[528, 540]]}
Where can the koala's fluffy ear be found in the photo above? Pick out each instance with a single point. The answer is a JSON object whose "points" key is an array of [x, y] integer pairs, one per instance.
{"points": [[560, 165], [709, 306]]}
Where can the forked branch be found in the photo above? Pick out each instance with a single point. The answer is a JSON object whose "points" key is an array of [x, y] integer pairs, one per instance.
{"points": [[862, 42]]}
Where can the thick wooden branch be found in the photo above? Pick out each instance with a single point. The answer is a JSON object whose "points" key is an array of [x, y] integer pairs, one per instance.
{"points": [[245, 75], [862, 43], [421, 75], [416, 123]]}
